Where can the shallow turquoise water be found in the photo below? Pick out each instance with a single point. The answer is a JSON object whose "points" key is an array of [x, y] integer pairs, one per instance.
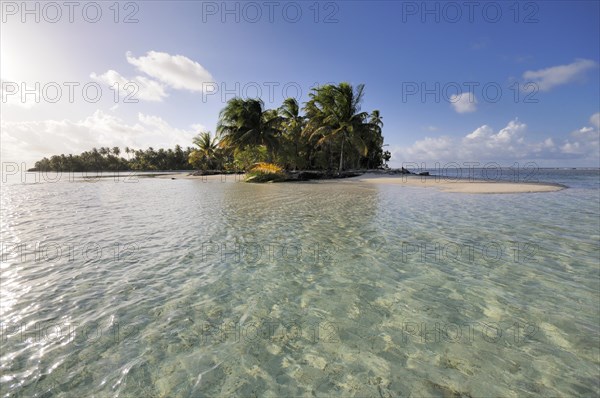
{"points": [[176, 288]]}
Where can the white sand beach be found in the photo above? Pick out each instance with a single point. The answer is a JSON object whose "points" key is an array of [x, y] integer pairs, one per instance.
{"points": [[443, 184], [457, 186]]}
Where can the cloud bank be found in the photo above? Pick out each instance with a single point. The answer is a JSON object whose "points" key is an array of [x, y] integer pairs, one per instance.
{"points": [[32, 140], [508, 144]]}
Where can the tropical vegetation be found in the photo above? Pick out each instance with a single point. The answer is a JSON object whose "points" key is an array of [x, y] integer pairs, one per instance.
{"points": [[330, 132], [110, 159]]}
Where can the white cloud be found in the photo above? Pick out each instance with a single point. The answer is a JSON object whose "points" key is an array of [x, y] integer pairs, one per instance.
{"points": [[176, 71], [584, 141], [549, 78], [571, 148], [11, 94], [198, 127], [506, 145], [31, 140], [479, 134], [595, 119], [464, 102], [138, 88], [429, 148], [484, 142], [546, 145]]}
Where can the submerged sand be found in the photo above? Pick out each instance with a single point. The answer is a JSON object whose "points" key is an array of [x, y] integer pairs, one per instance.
{"points": [[441, 183]]}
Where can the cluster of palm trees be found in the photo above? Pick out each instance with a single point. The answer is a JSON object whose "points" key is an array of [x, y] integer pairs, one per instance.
{"points": [[332, 134], [109, 159]]}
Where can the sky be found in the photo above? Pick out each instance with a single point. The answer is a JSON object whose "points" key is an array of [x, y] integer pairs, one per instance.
{"points": [[483, 82]]}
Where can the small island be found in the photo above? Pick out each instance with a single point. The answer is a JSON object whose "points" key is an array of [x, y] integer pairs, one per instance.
{"points": [[331, 136]]}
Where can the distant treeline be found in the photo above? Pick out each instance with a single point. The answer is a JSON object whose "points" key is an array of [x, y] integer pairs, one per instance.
{"points": [[111, 159]]}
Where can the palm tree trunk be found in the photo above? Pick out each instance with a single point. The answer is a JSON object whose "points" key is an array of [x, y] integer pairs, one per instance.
{"points": [[341, 156]]}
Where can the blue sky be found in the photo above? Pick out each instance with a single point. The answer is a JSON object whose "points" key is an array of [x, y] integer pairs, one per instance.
{"points": [[177, 51]]}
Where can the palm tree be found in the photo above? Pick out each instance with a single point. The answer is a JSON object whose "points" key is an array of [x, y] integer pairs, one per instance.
{"points": [[292, 123], [374, 140], [180, 157], [207, 152], [334, 116], [116, 151], [375, 118], [128, 151], [244, 123]]}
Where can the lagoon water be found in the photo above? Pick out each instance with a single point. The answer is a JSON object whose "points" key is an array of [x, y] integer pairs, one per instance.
{"points": [[184, 288]]}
